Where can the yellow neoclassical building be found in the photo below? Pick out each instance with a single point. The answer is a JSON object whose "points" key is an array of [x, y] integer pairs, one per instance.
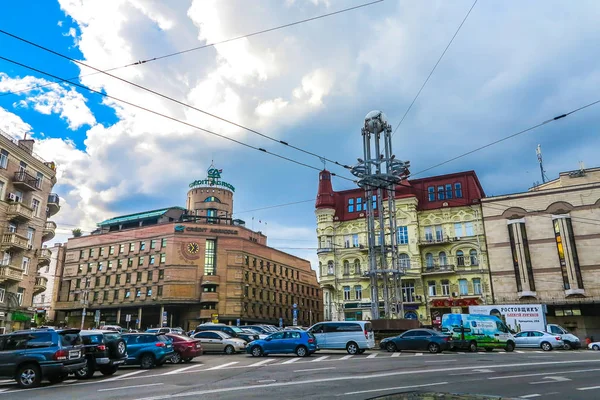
{"points": [[441, 248]]}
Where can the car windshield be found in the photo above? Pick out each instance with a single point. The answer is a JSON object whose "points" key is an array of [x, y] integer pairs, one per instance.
{"points": [[237, 330], [252, 331], [152, 330]]}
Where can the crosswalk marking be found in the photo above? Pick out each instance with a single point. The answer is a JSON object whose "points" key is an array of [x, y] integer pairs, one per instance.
{"points": [[396, 354], [178, 370], [372, 355], [519, 351], [262, 362], [224, 365], [320, 358], [116, 378], [293, 360], [419, 354], [347, 357]]}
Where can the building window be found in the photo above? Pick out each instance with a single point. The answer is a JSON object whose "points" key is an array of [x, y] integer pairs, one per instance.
{"points": [[149, 291], [346, 267], [358, 292], [429, 260], [40, 180], [151, 260], [356, 267], [129, 262], [359, 205], [116, 295], [97, 283], [128, 278], [458, 231], [118, 279], [449, 191], [439, 233], [346, 292], [458, 190], [442, 258], [110, 265], [138, 277], [30, 235], [441, 193], [330, 270], [141, 261], [209, 257], [35, 205], [127, 293], [473, 257], [404, 261], [163, 258], [138, 292], [431, 193], [374, 200], [131, 247], [100, 266], [477, 285], [121, 248], [163, 243], [347, 240], [3, 158], [469, 229], [111, 250], [142, 246], [403, 235], [212, 199], [25, 265], [119, 263], [161, 274], [159, 291], [211, 215], [429, 234], [350, 205], [355, 242], [153, 244], [445, 287], [107, 281], [408, 291], [463, 287], [460, 258], [432, 290], [565, 242], [101, 251], [95, 299]]}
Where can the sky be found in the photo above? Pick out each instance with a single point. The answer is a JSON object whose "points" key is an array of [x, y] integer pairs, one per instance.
{"points": [[511, 66]]}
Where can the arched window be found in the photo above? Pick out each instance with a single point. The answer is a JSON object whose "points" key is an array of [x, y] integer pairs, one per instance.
{"points": [[357, 266], [330, 267], [212, 198], [346, 267], [404, 261], [473, 257], [460, 258], [429, 260], [443, 259]]}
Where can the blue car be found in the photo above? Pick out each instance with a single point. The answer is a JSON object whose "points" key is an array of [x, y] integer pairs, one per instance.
{"points": [[147, 349], [301, 343]]}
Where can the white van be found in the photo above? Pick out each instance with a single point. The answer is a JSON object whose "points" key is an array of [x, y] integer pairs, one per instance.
{"points": [[355, 336], [571, 341]]}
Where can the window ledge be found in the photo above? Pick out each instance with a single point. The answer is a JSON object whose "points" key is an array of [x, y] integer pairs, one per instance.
{"points": [[527, 293], [572, 292]]}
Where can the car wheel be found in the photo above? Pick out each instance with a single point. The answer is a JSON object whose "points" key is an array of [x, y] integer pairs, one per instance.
{"points": [[391, 347], [53, 379], [176, 358], [108, 371], [546, 346], [85, 372], [567, 346], [29, 376], [473, 347], [257, 351], [229, 349], [510, 346], [434, 348], [352, 348], [302, 351], [147, 361]]}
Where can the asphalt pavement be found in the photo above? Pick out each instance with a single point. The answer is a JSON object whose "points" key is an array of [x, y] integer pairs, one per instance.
{"points": [[330, 375]]}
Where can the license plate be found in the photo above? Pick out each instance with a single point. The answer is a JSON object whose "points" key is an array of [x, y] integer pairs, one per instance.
{"points": [[168, 346], [118, 362], [198, 345], [73, 354]]}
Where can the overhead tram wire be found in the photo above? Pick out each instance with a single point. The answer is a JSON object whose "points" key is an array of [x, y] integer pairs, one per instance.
{"points": [[149, 60], [169, 117], [434, 67]]}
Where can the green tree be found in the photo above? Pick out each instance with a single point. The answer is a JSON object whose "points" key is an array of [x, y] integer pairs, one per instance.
{"points": [[76, 232]]}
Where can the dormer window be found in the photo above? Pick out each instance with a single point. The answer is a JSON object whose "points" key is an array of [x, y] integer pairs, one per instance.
{"points": [[431, 193], [350, 205], [458, 190], [359, 205]]}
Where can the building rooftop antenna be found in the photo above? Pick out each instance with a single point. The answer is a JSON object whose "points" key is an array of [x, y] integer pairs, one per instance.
{"points": [[538, 151]]}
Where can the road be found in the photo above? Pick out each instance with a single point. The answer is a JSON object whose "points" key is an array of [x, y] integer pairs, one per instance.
{"points": [[330, 375]]}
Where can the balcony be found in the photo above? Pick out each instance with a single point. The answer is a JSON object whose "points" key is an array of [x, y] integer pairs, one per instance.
{"points": [[12, 240], [44, 258], [53, 204], [40, 285], [324, 250], [19, 212], [207, 313], [210, 280], [438, 268], [10, 273], [49, 231], [209, 297], [436, 240], [25, 181]]}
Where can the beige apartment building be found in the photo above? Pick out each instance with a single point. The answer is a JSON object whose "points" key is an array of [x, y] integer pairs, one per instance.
{"points": [[26, 203], [543, 248]]}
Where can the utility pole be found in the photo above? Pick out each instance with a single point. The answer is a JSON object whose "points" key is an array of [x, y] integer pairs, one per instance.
{"points": [[538, 151]]}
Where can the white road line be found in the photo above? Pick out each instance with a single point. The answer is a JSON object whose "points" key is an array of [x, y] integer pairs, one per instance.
{"points": [[519, 351], [116, 378], [440, 361], [460, 352], [373, 355], [419, 354], [539, 352], [223, 366], [396, 354], [313, 369], [589, 388], [394, 388], [70, 381], [347, 357], [530, 396], [545, 373], [262, 362], [293, 360], [130, 387], [176, 371], [4, 390], [320, 359]]}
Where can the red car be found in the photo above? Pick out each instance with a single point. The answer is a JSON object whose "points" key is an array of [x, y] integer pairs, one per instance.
{"points": [[185, 348]]}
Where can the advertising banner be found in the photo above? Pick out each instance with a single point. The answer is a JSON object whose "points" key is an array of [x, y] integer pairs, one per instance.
{"points": [[518, 317]]}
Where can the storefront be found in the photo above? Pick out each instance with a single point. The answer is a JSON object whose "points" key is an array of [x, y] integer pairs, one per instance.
{"points": [[20, 320]]}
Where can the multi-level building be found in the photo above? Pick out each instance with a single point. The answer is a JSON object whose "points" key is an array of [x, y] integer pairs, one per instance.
{"points": [[44, 302], [441, 248], [543, 248], [183, 266], [26, 202]]}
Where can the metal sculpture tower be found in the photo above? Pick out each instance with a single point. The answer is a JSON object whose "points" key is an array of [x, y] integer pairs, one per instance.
{"points": [[379, 171]]}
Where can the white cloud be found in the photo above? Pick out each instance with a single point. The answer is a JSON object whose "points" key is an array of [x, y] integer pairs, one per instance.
{"points": [[13, 125]]}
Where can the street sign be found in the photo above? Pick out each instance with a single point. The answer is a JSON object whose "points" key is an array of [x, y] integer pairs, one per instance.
{"points": [[164, 318], [295, 321], [215, 318], [237, 322], [295, 313], [128, 318]]}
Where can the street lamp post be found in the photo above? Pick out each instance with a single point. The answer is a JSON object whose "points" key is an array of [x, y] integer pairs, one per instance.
{"points": [[84, 299]]}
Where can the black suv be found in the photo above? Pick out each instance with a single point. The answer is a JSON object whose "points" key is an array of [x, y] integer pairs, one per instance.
{"points": [[233, 331], [29, 356], [104, 352]]}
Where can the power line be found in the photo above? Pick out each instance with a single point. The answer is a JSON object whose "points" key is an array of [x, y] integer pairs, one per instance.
{"points": [[148, 60], [507, 137], [170, 118], [434, 67]]}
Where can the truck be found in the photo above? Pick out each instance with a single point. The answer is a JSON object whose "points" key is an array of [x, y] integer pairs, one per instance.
{"points": [[472, 331], [527, 317]]}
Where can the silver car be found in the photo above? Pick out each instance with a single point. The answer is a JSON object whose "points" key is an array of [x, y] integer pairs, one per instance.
{"points": [[217, 341], [539, 340]]}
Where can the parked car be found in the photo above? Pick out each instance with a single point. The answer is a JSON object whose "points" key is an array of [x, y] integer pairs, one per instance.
{"points": [[147, 349], [355, 336], [104, 351], [259, 328], [294, 328], [418, 339], [594, 346], [30, 356], [165, 330], [302, 343], [115, 328], [255, 332], [571, 342], [539, 339], [218, 341], [185, 348], [232, 331]]}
